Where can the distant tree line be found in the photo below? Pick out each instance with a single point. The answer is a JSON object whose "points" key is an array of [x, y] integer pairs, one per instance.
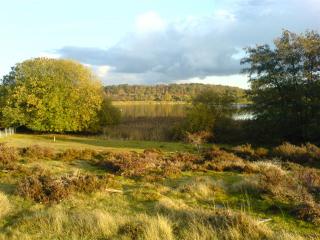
{"points": [[171, 92]]}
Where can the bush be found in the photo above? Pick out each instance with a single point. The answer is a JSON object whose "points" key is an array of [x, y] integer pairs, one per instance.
{"points": [[85, 183], [310, 178], [8, 156], [132, 230], [131, 164], [247, 152], [37, 152], [261, 152], [151, 164], [45, 188], [244, 151], [308, 153], [220, 160], [187, 161], [69, 154], [76, 154], [307, 211], [281, 185]]}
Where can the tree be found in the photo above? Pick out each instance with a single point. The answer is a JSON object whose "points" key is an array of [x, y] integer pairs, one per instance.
{"points": [[207, 108], [198, 138], [285, 86], [51, 95], [108, 114]]}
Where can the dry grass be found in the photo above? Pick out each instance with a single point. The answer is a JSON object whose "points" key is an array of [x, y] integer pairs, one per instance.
{"points": [[202, 188], [35, 152], [43, 187], [8, 156], [157, 195], [5, 205], [308, 153]]}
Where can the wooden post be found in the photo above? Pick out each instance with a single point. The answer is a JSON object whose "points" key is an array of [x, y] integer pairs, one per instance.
{"points": [[54, 138]]}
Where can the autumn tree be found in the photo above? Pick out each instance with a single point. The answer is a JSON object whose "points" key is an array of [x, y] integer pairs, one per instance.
{"points": [[207, 108], [285, 86], [51, 95]]}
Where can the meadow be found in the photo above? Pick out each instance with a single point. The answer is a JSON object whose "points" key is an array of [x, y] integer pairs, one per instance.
{"points": [[92, 188]]}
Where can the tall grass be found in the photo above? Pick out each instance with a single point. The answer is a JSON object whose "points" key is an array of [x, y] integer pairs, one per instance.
{"points": [[143, 128], [5, 205]]}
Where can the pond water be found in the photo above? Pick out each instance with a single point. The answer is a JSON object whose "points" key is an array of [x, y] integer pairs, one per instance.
{"points": [[154, 110], [151, 110], [151, 120]]}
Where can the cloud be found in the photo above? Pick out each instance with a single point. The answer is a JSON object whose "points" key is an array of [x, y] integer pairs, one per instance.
{"points": [[149, 22], [206, 47]]}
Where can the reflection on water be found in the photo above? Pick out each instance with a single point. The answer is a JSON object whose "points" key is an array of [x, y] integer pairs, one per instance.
{"points": [[152, 121], [152, 110]]}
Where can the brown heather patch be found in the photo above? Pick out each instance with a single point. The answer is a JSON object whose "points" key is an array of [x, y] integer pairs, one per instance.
{"points": [[42, 187], [8, 157], [308, 153], [37, 152]]}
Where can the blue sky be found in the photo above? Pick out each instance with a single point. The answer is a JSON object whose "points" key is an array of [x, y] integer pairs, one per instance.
{"points": [[149, 41]]}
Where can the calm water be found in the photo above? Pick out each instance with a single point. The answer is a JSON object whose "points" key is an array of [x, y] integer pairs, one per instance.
{"points": [[153, 110], [150, 121]]}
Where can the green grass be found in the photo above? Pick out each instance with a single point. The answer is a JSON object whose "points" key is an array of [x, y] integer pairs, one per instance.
{"points": [[67, 141], [164, 207], [122, 103]]}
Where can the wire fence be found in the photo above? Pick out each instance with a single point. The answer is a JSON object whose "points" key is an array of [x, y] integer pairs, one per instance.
{"points": [[6, 132]]}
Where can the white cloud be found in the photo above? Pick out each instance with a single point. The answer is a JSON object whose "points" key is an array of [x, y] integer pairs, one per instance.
{"points": [[149, 22], [237, 80], [102, 71], [207, 48]]}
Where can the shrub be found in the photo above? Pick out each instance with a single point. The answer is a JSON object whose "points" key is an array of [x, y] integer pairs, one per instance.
{"points": [[77, 154], [8, 156], [280, 184], [69, 154], [307, 211], [149, 164], [187, 161], [45, 188], [310, 178], [248, 152], [220, 160], [132, 230], [85, 183], [88, 154], [244, 151], [42, 189], [301, 154], [37, 152], [261, 152]]}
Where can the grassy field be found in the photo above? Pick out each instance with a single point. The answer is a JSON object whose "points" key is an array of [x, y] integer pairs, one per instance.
{"points": [[67, 141], [150, 195]]}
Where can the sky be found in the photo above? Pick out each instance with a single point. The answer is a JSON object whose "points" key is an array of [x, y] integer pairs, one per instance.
{"points": [[150, 41]]}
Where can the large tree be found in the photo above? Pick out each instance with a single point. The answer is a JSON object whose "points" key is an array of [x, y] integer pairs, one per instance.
{"points": [[52, 95], [285, 86], [207, 108]]}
